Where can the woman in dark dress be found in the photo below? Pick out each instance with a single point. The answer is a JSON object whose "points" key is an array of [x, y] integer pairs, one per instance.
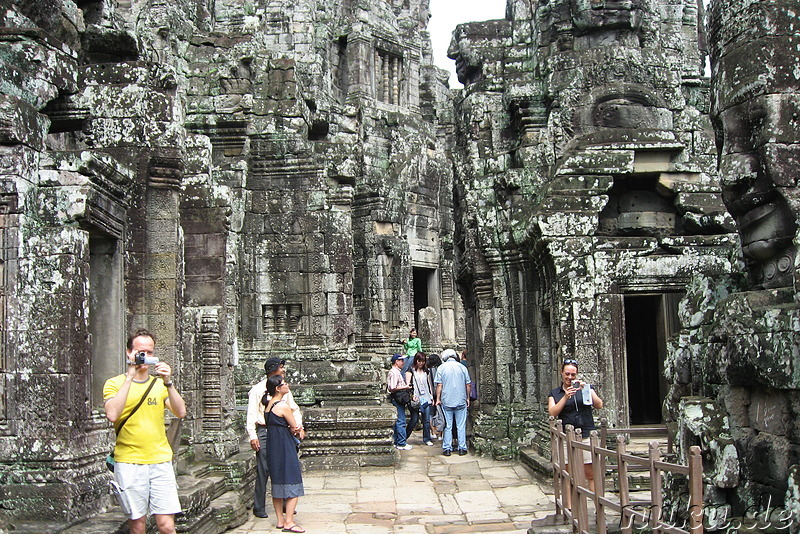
{"points": [[284, 466]]}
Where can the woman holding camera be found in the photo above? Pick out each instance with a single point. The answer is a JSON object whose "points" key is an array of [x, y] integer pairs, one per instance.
{"points": [[567, 403]]}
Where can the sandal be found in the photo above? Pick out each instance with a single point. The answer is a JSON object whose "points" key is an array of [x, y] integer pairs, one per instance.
{"points": [[294, 528]]}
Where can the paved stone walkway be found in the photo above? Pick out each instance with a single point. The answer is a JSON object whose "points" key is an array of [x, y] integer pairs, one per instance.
{"points": [[428, 493]]}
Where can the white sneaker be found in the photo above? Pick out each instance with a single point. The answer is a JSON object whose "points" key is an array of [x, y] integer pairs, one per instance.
{"points": [[405, 447], [428, 443]]}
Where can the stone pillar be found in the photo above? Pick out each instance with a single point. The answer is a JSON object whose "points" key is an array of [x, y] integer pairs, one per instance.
{"points": [[360, 62]]}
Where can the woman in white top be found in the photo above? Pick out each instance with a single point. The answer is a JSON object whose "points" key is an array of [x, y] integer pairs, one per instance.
{"points": [[420, 379]]}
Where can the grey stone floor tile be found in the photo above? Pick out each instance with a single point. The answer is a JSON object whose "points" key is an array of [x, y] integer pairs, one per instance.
{"points": [[427, 493]]}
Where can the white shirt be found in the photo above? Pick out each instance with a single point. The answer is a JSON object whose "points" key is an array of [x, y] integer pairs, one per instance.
{"points": [[255, 410]]}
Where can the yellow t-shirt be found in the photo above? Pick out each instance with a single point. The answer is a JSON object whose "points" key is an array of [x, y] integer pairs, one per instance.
{"points": [[143, 439]]}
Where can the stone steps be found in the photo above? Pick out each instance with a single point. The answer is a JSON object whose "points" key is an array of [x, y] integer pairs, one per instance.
{"points": [[210, 505], [534, 461], [349, 394], [348, 436]]}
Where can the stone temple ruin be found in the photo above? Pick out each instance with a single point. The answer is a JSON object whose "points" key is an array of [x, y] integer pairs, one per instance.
{"points": [[264, 178]]}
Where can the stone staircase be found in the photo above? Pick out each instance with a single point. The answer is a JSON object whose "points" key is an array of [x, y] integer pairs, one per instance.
{"points": [[350, 425], [214, 497]]}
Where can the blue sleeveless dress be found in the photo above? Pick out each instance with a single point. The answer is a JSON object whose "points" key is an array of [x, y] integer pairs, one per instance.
{"points": [[284, 466]]}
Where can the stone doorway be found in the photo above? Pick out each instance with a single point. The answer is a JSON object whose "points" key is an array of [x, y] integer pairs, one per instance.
{"points": [[425, 291], [649, 321]]}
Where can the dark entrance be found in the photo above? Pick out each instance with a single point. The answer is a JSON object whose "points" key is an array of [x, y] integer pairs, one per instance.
{"points": [[422, 280], [649, 321]]}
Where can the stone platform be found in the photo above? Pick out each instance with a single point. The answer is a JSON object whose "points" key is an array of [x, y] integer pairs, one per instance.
{"points": [[425, 493]]}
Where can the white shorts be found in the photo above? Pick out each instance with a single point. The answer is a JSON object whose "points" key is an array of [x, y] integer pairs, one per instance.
{"points": [[150, 486], [587, 455]]}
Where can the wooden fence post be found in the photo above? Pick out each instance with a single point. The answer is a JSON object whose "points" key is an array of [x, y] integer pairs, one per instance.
{"points": [[555, 455], [603, 432], [563, 459], [580, 510], [656, 499], [624, 494], [599, 475], [695, 490]]}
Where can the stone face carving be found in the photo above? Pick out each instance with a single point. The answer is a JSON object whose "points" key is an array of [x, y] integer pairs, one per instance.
{"points": [[702, 422], [591, 16], [477, 50], [754, 104], [738, 345]]}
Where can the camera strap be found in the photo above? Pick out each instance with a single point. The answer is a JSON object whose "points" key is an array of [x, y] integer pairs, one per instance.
{"points": [[118, 428]]}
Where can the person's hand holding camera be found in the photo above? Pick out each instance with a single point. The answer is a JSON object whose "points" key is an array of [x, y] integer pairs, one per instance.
{"points": [[130, 374], [571, 391], [164, 371]]}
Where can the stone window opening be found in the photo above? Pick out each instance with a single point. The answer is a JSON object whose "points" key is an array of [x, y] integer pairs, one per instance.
{"points": [[388, 76], [106, 315], [281, 318], [636, 207]]}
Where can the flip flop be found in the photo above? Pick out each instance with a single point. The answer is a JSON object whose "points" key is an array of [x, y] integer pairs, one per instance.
{"points": [[294, 528]]}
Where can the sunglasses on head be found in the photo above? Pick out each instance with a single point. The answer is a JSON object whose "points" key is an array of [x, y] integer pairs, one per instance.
{"points": [[570, 361]]}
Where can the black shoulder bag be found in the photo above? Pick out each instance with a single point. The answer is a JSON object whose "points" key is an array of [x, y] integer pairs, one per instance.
{"points": [[401, 396], [118, 427]]}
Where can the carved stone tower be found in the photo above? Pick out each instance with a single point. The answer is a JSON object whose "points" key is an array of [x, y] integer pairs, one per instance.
{"points": [[588, 197]]}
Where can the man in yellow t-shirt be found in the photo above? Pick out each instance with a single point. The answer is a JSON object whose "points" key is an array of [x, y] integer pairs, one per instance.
{"points": [[143, 456]]}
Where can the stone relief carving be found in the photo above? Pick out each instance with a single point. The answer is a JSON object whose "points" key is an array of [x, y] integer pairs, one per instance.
{"points": [[754, 105]]}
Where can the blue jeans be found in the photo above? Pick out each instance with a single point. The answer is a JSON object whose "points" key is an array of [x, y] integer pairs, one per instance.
{"points": [[425, 414], [400, 425], [412, 422], [459, 414]]}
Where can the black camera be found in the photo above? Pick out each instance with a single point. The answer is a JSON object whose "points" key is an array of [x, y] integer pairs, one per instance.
{"points": [[576, 384], [141, 358]]}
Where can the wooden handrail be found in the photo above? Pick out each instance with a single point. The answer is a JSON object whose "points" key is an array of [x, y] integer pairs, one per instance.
{"points": [[572, 491]]}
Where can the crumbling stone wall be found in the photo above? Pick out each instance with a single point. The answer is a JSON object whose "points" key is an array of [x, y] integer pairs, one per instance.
{"points": [[245, 179]]}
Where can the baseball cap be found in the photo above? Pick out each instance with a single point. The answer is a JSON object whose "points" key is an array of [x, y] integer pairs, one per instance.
{"points": [[396, 357], [272, 364]]}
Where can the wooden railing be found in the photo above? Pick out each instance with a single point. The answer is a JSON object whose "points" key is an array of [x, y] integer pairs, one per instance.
{"points": [[572, 492]]}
